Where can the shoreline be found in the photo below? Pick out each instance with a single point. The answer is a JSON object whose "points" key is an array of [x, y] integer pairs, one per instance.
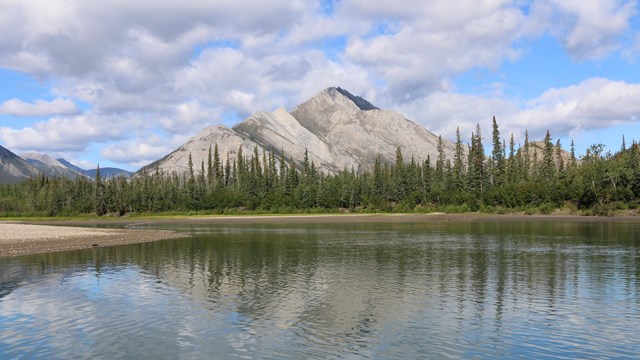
{"points": [[43, 236], [18, 238], [334, 218]]}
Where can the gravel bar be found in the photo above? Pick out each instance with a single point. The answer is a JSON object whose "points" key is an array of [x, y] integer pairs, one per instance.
{"points": [[25, 239]]}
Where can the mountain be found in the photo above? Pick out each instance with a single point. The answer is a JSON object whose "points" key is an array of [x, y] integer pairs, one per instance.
{"points": [[107, 172], [14, 169], [70, 165], [536, 153], [338, 129], [50, 166]]}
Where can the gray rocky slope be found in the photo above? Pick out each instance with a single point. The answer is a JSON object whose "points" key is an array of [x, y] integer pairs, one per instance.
{"points": [[339, 130], [50, 166], [14, 169]]}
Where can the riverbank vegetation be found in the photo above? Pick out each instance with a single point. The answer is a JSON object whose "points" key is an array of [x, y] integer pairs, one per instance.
{"points": [[537, 177]]}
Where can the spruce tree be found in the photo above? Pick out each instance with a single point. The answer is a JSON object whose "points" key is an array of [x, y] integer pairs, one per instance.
{"points": [[477, 172], [458, 165], [559, 158], [100, 207], [511, 161], [526, 157], [497, 155], [548, 167], [217, 167], [210, 167], [441, 158], [572, 155]]}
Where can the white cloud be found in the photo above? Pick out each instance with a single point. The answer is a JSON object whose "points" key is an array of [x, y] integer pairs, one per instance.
{"points": [[58, 106], [590, 105], [72, 133], [245, 84], [183, 65], [588, 29], [419, 59], [139, 152]]}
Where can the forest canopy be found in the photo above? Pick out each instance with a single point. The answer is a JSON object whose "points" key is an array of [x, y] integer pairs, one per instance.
{"points": [[536, 177]]}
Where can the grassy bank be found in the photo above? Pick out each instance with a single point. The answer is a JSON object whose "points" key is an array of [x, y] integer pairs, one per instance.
{"points": [[545, 209]]}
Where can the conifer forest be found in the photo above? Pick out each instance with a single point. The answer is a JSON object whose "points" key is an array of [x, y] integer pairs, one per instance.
{"points": [[535, 177]]}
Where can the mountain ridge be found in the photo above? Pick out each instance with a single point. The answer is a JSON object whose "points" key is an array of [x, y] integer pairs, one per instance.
{"points": [[49, 166], [14, 169], [336, 129]]}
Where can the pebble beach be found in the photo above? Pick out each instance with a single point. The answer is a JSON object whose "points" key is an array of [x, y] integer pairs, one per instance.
{"points": [[24, 239]]}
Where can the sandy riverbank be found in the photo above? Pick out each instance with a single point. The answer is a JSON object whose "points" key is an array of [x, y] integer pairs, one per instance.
{"points": [[342, 218], [24, 239], [40, 236]]}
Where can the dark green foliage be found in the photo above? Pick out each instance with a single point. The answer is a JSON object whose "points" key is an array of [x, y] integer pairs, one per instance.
{"points": [[598, 184]]}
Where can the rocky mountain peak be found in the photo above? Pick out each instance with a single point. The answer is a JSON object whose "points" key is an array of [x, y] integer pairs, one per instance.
{"points": [[13, 168], [336, 129], [330, 108], [360, 102], [41, 158], [337, 98]]}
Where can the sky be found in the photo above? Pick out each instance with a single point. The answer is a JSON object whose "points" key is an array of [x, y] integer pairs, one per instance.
{"points": [[123, 83]]}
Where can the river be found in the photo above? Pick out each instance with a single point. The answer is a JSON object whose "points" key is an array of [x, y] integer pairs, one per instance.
{"points": [[334, 291]]}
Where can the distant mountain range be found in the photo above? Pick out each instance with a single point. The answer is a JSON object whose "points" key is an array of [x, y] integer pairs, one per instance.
{"points": [[338, 129], [50, 166], [14, 168]]}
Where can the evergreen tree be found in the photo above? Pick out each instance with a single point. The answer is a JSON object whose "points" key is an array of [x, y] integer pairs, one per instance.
{"points": [[440, 160], [100, 207], [497, 156], [548, 167], [559, 157], [511, 161], [217, 167], [572, 155], [458, 165], [477, 172], [526, 154], [210, 176]]}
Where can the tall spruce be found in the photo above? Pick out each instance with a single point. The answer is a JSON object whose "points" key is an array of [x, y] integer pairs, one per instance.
{"points": [[559, 157], [100, 207], [217, 167], [511, 161], [497, 155], [526, 157], [458, 164], [477, 172], [440, 160], [548, 166], [210, 175]]}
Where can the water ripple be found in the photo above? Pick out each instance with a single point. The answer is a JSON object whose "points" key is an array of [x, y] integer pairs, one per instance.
{"points": [[337, 292]]}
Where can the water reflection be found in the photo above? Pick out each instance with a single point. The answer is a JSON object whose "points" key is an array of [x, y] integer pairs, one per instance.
{"points": [[334, 291]]}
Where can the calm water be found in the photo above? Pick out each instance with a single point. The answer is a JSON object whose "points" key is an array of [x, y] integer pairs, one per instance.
{"points": [[334, 291]]}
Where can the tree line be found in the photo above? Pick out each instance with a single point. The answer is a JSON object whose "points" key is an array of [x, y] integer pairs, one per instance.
{"points": [[536, 177]]}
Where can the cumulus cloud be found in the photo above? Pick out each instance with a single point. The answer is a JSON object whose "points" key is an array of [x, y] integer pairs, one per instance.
{"points": [[183, 65], [71, 133], [588, 30], [139, 152], [592, 104], [76, 36], [58, 106], [245, 84], [419, 58]]}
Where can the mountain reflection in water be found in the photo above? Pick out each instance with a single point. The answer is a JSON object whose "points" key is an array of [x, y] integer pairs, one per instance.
{"points": [[389, 291]]}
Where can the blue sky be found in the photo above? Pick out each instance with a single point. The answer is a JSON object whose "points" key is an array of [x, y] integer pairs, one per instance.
{"points": [[123, 83]]}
